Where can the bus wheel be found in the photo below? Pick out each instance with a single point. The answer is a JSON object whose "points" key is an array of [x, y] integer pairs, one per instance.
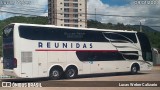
{"points": [[71, 72], [55, 73], [134, 69]]}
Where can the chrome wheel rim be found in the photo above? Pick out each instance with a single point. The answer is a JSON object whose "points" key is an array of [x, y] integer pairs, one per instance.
{"points": [[55, 73], [134, 69], [71, 73]]}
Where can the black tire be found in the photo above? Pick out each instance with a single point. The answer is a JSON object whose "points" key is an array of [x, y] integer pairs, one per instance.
{"points": [[134, 69], [71, 73], [55, 73]]}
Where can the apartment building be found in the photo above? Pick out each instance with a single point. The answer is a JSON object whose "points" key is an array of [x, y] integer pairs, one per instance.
{"points": [[70, 13]]}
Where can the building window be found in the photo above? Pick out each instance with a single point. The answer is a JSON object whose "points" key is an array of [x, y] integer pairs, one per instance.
{"points": [[80, 9], [67, 25], [66, 15], [75, 20], [75, 10], [75, 15], [66, 20], [80, 25], [75, 0], [66, 9], [61, 24], [66, 4], [75, 25], [75, 4], [61, 8], [61, 3], [66, 0], [80, 14]]}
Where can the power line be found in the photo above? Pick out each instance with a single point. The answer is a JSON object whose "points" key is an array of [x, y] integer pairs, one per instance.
{"points": [[28, 10], [18, 13], [40, 11], [82, 20], [93, 14], [125, 16], [25, 8], [24, 5], [35, 15], [89, 14]]}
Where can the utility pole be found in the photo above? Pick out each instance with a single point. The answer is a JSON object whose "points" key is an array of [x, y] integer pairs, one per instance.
{"points": [[95, 14], [141, 27]]}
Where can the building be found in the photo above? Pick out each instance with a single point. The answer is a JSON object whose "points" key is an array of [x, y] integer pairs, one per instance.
{"points": [[71, 13]]}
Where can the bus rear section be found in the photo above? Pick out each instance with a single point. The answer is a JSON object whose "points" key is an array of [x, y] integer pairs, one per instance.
{"points": [[9, 62]]}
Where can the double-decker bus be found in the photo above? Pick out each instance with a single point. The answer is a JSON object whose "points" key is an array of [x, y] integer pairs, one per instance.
{"points": [[33, 51]]}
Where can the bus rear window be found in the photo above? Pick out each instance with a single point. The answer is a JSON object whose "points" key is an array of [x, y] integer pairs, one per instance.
{"points": [[8, 50], [8, 31]]}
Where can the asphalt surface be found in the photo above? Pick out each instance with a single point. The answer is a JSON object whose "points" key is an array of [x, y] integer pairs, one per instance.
{"points": [[110, 81]]}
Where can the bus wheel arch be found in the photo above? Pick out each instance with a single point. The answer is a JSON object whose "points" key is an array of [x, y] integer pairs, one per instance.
{"points": [[55, 72], [71, 72], [135, 67]]}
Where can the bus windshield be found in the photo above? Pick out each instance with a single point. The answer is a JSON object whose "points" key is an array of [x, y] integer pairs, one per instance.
{"points": [[145, 46], [8, 53]]}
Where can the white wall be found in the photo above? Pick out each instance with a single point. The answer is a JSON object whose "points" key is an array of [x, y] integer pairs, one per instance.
{"points": [[156, 57], [1, 68]]}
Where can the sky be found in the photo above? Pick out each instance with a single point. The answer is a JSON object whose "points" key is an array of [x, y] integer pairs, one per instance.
{"points": [[127, 11]]}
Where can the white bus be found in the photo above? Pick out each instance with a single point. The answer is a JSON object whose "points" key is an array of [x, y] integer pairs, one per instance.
{"points": [[33, 51]]}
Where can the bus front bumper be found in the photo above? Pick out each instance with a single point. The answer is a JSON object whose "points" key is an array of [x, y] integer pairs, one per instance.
{"points": [[146, 66], [9, 72]]}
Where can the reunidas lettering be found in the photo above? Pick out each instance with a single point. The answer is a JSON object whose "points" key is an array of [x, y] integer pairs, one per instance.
{"points": [[64, 45]]}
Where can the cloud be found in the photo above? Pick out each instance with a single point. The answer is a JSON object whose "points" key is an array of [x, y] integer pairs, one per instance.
{"points": [[23, 7], [126, 10]]}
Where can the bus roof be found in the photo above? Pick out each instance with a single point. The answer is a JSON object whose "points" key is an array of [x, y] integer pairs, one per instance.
{"points": [[53, 26]]}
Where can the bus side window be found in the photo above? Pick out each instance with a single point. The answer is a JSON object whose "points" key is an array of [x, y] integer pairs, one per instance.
{"points": [[92, 56]]}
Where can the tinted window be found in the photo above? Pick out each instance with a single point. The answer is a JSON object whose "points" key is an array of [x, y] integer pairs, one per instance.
{"points": [[60, 34], [8, 31], [98, 56], [145, 47], [8, 50], [130, 55], [106, 56], [120, 37]]}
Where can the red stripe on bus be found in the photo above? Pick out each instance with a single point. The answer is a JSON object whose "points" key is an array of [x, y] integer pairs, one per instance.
{"points": [[78, 50]]}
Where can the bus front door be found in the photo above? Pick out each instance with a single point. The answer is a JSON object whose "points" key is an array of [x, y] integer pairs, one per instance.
{"points": [[87, 67]]}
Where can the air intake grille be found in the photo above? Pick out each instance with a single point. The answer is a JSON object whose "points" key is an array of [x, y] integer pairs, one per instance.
{"points": [[26, 57]]}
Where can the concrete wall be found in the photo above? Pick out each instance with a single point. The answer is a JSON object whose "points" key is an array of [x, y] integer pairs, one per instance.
{"points": [[157, 61], [1, 67], [156, 57]]}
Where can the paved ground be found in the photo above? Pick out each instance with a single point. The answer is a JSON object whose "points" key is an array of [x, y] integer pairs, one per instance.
{"points": [[153, 75]]}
